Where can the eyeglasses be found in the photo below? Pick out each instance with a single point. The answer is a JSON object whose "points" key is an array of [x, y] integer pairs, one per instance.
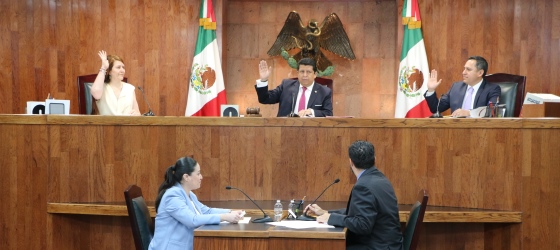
{"points": [[303, 72]]}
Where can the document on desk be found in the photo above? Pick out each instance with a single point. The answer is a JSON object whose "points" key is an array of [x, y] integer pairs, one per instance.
{"points": [[298, 224], [245, 220]]}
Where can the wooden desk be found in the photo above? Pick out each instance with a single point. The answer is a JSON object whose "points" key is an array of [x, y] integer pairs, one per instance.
{"points": [[263, 236], [434, 214], [506, 165]]}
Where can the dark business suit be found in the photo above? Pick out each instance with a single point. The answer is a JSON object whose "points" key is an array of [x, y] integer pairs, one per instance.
{"points": [[285, 94], [372, 214], [454, 98]]}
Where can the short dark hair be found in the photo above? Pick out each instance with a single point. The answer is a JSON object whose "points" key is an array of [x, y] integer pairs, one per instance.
{"points": [[481, 63], [362, 154], [309, 62]]}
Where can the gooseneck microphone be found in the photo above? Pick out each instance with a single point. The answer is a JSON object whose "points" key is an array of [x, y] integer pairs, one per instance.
{"points": [[309, 218], [266, 218], [437, 114], [149, 113], [292, 114]]}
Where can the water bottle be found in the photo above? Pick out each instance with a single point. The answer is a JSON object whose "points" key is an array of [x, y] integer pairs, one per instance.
{"points": [[277, 211], [291, 209]]}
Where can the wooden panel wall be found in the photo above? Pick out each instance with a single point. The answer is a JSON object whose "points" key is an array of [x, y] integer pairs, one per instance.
{"points": [[23, 181], [507, 164], [456, 167], [45, 45]]}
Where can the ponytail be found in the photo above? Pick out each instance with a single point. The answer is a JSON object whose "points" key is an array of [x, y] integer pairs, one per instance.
{"points": [[173, 175]]}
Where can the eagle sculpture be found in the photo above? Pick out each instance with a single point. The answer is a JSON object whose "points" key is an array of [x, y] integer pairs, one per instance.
{"points": [[310, 39]]}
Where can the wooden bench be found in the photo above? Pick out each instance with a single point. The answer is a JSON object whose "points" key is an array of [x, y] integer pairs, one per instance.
{"points": [[434, 214]]}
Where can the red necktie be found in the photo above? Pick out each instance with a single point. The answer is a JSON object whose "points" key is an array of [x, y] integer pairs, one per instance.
{"points": [[301, 105]]}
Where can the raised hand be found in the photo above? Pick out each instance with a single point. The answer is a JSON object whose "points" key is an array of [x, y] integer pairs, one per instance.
{"points": [[104, 62], [433, 82], [264, 71]]}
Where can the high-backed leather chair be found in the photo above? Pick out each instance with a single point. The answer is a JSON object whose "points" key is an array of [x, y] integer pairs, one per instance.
{"points": [[140, 220], [415, 221], [85, 100], [513, 91]]}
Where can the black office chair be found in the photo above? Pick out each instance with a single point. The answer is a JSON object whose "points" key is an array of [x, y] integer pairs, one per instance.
{"points": [[513, 91], [140, 220], [415, 220]]}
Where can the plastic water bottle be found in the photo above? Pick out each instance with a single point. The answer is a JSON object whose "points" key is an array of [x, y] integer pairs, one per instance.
{"points": [[277, 211], [291, 209]]}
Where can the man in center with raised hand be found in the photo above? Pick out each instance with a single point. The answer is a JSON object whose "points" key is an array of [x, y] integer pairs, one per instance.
{"points": [[303, 96]]}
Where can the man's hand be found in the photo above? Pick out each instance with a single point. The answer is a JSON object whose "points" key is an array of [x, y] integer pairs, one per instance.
{"points": [[313, 210], [324, 218], [461, 112], [305, 113], [433, 82], [264, 71]]}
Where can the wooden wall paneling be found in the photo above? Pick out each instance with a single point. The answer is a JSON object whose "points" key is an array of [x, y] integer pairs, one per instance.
{"points": [[540, 184], [23, 168], [45, 49], [231, 243], [89, 232]]}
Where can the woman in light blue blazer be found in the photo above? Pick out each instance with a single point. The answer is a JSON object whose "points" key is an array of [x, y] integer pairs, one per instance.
{"points": [[178, 210]]}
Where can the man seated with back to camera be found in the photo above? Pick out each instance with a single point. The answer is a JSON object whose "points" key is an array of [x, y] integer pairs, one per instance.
{"points": [[471, 93], [372, 213], [316, 101]]}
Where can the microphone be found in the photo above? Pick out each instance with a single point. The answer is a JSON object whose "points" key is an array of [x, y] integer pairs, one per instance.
{"points": [[266, 218], [437, 114], [149, 113], [309, 218], [292, 114]]}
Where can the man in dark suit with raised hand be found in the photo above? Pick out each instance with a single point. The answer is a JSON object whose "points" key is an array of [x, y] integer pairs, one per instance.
{"points": [[304, 95], [372, 213], [471, 93]]}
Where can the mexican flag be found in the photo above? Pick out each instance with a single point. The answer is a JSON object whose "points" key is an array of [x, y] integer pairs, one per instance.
{"points": [[413, 69], [206, 85]]}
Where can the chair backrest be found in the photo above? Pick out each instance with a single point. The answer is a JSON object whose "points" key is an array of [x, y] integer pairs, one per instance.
{"points": [[140, 220], [513, 91], [85, 100], [415, 221]]}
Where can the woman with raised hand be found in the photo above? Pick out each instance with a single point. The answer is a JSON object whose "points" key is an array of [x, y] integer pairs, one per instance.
{"points": [[112, 95], [178, 210]]}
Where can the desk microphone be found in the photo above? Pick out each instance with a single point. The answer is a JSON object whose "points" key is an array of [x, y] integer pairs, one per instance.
{"points": [[149, 113], [437, 114], [266, 218], [309, 218], [292, 114]]}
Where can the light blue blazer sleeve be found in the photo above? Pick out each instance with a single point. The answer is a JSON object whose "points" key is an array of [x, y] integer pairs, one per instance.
{"points": [[177, 219]]}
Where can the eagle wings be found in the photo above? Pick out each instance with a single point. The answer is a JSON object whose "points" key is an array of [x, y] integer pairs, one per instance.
{"points": [[311, 38]]}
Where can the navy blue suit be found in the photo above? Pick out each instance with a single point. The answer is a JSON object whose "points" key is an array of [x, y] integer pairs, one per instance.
{"points": [[285, 94], [454, 98], [372, 214]]}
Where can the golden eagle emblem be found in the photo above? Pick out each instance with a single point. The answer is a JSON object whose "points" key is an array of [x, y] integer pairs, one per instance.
{"points": [[310, 39]]}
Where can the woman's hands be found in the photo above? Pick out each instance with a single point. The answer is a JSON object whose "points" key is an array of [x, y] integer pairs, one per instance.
{"points": [[104, 62], [232, 217]]}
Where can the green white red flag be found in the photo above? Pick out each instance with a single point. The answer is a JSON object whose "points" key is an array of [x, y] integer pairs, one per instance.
{"points": [[206, 86], [413, 69]]}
